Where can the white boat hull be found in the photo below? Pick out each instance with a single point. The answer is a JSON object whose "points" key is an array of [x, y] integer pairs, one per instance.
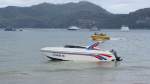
{"points": [[67, 57], [74, 56]]}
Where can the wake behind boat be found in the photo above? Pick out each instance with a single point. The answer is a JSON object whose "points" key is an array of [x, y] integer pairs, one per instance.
{"points": [[80, 53]]}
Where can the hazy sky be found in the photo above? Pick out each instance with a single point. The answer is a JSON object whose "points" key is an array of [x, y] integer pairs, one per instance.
{"points": [[114, 6]]}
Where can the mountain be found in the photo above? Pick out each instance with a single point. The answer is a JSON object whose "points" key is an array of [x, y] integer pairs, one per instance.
{"points": [[139, 18], [82, 14]]}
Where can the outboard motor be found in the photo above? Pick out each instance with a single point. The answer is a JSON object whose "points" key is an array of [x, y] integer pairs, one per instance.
{"points": [[115, 54]]}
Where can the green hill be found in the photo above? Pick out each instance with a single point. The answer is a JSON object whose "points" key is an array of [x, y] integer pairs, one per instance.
{"points": [[83, 14]]}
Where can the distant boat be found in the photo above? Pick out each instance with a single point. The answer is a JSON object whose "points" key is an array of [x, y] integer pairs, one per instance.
{"points": [[94, 28], [20, 29], [73, 28], [9, 29], [125, 28]]}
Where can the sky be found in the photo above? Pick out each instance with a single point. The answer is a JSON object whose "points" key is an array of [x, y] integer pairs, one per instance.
{"points": [[113, 6]]}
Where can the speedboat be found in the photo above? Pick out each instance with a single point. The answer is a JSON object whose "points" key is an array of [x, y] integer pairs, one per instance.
{"points": [[100, 37], [80, 53]]}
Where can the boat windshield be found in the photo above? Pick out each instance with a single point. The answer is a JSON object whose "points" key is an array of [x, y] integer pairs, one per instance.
{"points": [[72, 46]]}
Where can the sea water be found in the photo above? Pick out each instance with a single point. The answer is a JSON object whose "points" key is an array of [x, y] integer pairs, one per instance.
{"points": [[22, 63]]}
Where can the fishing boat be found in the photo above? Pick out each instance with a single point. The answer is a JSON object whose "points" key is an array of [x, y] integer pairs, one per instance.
{"points": [[80, 53], [100, 37]]}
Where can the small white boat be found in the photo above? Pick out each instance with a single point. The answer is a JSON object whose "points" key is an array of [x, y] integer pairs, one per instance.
{"points": [[94, 28], [73, 28], [125, 28], [80, 53]]}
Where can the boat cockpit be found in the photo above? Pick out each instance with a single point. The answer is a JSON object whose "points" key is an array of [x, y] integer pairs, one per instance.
{"points": [[72, 46]]}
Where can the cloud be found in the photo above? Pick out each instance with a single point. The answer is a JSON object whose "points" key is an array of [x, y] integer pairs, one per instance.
{"points": [[127, 6], [122, 6], [114, 6]]}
